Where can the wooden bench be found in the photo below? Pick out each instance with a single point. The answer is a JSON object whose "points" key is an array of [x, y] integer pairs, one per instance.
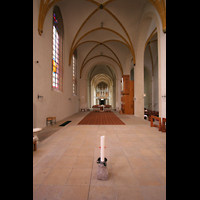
{"points": [[35, 143], [154, 125], [50, 119], [163, 124], [151, 112]]}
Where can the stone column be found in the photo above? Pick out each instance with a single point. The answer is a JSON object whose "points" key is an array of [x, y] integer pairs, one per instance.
{"points": [[162, 75], [139, 70]]}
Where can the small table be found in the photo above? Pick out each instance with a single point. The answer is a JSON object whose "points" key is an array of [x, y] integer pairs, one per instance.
{"points": [[51, 120]]}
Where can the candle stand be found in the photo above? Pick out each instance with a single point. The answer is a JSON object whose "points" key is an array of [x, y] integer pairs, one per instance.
{"points": [[102, 171]]}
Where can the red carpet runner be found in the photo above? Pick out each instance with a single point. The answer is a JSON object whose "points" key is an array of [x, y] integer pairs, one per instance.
{"points": [[101, 118]]}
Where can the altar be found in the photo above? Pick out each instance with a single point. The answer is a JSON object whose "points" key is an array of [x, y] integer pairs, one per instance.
{"points": [[102, 108]]}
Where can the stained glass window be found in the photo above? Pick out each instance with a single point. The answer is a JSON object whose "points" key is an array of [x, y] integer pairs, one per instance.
{"points": [[74, 74], [55, 59]]}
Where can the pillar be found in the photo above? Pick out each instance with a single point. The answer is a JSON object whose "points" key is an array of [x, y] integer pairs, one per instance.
{"points": [[139, 69], [139, 87], [118, 93], [162, 75]]}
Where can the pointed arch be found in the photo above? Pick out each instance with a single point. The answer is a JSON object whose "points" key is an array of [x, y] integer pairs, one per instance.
{"points": [[71, 49], [130, 45], [112, 40], [161, 8], [96, 47], [154, 32], [45, 6], [101, 56], [96, 29]]}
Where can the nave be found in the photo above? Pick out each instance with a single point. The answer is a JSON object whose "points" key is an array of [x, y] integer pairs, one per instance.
{"points": [[64, 165]]}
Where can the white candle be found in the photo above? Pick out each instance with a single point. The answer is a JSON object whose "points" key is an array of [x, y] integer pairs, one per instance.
{"points": [[102, 147]]}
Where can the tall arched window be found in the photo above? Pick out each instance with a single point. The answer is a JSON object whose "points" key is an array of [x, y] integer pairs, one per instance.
{"points": [[57, 45], [75, 72]]}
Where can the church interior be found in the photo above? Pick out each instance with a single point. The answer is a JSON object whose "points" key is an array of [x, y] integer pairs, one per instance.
{"points": [[98, 54]]}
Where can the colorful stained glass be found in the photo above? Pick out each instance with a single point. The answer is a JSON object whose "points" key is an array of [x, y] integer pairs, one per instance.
{"points": [[54, 18], [55, 59], [74, 75]]}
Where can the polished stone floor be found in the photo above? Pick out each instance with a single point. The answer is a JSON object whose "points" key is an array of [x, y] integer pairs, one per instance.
{"points": [[64, 165]]}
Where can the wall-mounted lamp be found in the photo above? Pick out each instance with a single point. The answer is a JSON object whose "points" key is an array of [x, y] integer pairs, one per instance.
{"points": [[143, 95], [39, 96]]}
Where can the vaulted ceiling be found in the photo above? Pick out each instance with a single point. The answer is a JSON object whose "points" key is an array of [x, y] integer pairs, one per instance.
{"points": [[101, 29]]}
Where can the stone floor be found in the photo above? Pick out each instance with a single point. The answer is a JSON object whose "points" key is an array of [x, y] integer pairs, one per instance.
{"points": [[64, 165]]}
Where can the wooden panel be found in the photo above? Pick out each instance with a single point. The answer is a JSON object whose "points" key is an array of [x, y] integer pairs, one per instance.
{"points": [[127, 100], [127, 106], [131, 95], [125, 84], [127, 96]]}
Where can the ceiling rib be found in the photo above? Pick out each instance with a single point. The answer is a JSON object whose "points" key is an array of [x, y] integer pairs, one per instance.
{"points": [[71, 49], [102, 42], [107, 2], [102, 77], [96, 29], [110, 71], [131, 45], [96, 47], [44, 8], [101, 28], [98, 4], [154, 32], [151, 59], [101, 56]]}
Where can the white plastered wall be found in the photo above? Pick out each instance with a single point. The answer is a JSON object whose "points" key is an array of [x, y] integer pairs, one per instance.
{"points": [[53, 103]]}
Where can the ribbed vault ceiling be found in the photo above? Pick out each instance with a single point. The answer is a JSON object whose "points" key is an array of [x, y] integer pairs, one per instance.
{"points": [[106, 29], [101, 78]]}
